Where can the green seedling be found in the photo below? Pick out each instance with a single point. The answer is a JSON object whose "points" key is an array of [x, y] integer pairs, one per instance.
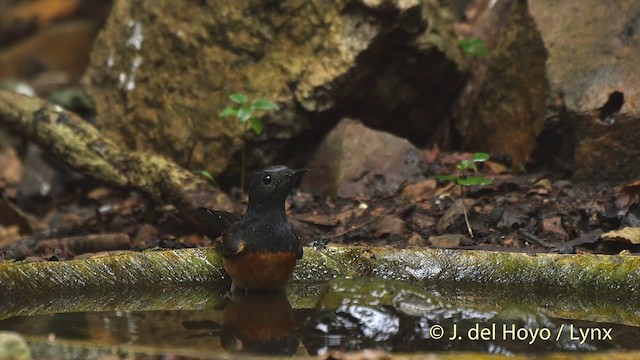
{"points": [[462, 178], [474, 47], [208, 176], [248, 114]]}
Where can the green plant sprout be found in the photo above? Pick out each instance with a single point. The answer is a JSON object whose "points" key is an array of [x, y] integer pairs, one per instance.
{"points": [[248, 114], [463, 179], [474, 47], [208, 176]]}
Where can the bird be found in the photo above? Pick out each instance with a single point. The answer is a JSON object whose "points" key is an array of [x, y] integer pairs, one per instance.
{"points": [[260, 323], [260, 249]]}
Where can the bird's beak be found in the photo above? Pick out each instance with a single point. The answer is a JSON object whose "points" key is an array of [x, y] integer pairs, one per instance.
{"points": [[298, 173]]}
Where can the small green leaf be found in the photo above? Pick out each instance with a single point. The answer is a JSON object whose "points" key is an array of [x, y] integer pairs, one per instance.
{"points": [[480, 157], [244, 115], [238, 98], [261, 104], [465, 165], [256, 125], [474, 47], [473, 180], [445, 177], [227, 112], [207, 175]]}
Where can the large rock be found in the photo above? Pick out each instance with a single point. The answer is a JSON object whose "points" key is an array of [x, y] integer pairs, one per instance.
{"points": [[594, 57], [162, 70], [503, 107], [354, 161]]}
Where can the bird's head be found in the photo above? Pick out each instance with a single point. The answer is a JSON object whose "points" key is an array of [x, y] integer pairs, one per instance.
{"points": [[271, 186]]}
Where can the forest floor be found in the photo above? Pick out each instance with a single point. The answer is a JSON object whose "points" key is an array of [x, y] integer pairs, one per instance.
{"points": [[522, 213]]}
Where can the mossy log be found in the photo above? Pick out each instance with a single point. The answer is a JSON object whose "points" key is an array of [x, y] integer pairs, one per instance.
{"points": [[591, 276], [82, 146]]}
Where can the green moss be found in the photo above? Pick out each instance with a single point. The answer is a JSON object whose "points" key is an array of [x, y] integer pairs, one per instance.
{"points": [[597, 279]]}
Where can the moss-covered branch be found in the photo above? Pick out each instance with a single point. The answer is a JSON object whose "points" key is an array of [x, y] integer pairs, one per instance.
{"points": [[84, 148], [591, 276]]}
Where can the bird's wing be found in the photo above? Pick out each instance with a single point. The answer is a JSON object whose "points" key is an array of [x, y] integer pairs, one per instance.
{"points": [[232, 244], [214, 222]]}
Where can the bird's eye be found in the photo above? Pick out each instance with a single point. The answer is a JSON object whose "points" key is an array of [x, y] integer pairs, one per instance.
{"points": [[266, 180]]}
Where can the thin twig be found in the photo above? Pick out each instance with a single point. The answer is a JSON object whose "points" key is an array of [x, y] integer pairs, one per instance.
{"points": [[354, 228], [464, 211], [372, 220], [537, 240]]}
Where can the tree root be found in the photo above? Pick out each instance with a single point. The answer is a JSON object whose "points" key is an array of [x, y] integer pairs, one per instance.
{"points": [[84, 148]]}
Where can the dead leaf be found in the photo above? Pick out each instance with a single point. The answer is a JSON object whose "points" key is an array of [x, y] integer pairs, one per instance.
{"points": [[422, 221], [318, 219], [416, 240], [631, 234], [41, 12], [11, 170], [628, 195], [99, 193], [450, 187], [496, 168], [420, 191], [347, 214], [430, 156], [542, 187], [447, 240], [453, 213], [553, 226], [9, 235], [12, 215], [389, 225], [569, 246], [378, 211]]}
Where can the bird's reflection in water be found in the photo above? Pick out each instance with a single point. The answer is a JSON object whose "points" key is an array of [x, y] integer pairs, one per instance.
{"points": [[258, 323]]}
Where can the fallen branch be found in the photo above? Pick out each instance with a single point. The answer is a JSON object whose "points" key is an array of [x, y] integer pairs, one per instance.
{"points": [[83, 147]]}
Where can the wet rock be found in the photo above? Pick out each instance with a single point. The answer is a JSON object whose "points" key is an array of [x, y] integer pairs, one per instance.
{"points": [[159, 77], [358, 321], [14, 346], [354, 161], [361, 313], [593, 72]]}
